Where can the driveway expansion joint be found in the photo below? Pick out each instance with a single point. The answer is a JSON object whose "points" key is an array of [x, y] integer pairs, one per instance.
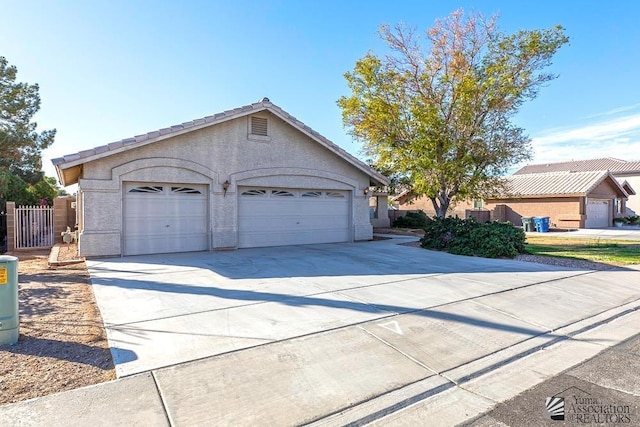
{"points": [[162, 399]]}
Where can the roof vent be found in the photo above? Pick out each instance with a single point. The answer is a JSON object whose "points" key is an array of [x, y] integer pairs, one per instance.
{"points": [[259, 126], [265, 99]]}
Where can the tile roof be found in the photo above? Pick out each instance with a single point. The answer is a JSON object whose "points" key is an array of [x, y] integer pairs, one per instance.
{"points": [[557, 183], [81, 157], [605, 164]]}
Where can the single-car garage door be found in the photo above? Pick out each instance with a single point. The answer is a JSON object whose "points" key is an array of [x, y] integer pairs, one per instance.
{"points": [[161, 218], [277, 217], [597, 214]]}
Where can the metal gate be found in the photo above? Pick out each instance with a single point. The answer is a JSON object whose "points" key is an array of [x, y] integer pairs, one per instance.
{"points": [[34, 227]]}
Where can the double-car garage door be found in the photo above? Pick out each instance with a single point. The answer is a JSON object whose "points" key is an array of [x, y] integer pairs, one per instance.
{"points": [[277, 216], [164, 218]]}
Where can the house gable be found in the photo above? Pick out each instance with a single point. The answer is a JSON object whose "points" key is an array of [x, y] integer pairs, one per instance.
{"points": [[70, 167]]}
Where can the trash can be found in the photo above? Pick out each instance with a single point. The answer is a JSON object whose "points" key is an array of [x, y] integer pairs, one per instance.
{"points": [[8, 300], [527, 224], [542, 223]]}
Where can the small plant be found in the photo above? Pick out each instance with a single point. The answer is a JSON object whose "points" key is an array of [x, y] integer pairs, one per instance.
{"points": [[416, 219], [619, 222]]}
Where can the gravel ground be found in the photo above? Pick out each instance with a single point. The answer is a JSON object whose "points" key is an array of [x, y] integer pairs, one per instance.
{"points": [[62, 343], [565, 262]]}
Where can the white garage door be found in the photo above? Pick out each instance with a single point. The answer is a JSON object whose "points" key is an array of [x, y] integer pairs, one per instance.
{"points": [[277, 217], [597, 214], [161, 218]]}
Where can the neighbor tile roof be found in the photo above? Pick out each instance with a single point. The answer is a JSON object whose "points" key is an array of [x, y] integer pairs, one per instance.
{"points": [[605, 164], [81, 157], [557, 183]]}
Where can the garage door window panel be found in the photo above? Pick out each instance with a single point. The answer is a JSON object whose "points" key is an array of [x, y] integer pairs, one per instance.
{"points": [[147, 190], [282, 193], [185, 190], [254, 192], [312, 194]]}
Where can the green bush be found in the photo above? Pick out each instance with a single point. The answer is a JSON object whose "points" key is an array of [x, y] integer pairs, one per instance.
{"points": [[416, 219], [469, 237], [634, 219]]}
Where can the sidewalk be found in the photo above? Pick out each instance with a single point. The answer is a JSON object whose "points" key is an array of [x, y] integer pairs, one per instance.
{"points": [[349, 376]]}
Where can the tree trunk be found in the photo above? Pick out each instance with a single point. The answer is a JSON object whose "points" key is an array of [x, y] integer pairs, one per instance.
{"points": [[440, 208]]}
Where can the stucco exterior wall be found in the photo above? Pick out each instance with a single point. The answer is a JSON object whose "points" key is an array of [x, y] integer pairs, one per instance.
{"points": [[633, 204], [211, 156]]}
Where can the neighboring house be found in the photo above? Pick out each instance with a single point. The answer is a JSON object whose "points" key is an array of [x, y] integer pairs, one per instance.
{"points": [[249, 177], [623, 171], [404, 201], [569, 199]]}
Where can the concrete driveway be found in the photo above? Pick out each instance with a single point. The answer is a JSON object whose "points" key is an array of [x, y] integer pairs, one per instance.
{"points": [[162, 310], [349, 334]]}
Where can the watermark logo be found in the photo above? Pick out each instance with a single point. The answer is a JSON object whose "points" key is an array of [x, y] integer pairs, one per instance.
{"points": [[555, 408], [580, 407]]}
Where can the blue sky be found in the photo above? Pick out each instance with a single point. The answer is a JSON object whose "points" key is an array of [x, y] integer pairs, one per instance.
{"points": [[109, 70]]}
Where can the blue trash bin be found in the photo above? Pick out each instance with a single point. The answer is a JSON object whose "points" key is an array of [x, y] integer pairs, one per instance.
{"points": [[542, 224]]}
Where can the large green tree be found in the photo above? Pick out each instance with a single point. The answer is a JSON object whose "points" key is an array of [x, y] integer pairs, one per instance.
{"points": [[21, 144], [435, 113], [21, 177]]}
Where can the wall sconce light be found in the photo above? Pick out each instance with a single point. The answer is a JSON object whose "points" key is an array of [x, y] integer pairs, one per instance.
{"points": [[225, 187], [366, 191]]}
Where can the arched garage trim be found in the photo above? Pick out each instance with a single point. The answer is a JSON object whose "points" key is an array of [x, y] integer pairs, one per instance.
{"points": [[159, 169], [291, 177]]}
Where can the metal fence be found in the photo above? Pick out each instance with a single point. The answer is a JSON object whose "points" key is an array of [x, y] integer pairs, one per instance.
{"points": [[34, 227]]}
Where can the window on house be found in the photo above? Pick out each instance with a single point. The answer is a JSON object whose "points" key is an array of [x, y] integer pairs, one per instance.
{"points": [[373, 208], [478, 204]]}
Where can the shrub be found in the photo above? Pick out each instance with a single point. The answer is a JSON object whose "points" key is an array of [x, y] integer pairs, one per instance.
{"points": [[416, 219], [469, 237], [634, 219]]}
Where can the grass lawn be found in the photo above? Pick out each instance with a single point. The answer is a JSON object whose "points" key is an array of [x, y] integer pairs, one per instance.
{"points": [[615, 252]]}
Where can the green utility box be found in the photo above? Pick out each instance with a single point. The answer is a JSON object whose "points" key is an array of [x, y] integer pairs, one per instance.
{"points": [[9, 321]]}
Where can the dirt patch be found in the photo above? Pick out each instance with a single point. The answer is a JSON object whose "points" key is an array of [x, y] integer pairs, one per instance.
{"points": [[62, 343]]}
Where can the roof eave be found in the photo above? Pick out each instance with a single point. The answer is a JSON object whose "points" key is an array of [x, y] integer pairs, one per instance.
{"points": [[121, 146]]}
